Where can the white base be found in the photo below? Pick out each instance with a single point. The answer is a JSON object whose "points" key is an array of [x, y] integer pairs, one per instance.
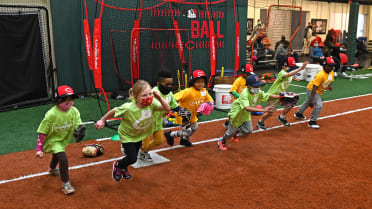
{"points": [[156, 159]]}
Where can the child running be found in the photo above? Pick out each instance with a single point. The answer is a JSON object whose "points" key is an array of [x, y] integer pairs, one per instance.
{"points": [[322, 81], [164, 87], [282, 82], [239, 84], [55, 133], [136, 124], [240, 112], [191, 98]]}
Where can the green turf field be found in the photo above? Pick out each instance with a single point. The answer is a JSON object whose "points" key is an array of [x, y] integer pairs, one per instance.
{"points": [[18, 127]]}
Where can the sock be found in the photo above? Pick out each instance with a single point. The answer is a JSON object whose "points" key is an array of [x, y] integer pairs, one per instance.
{"points": [[282, 116]]}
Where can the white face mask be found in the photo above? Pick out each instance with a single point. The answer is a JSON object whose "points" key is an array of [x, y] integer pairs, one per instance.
{"points": [[316, 45], [254, 90]]}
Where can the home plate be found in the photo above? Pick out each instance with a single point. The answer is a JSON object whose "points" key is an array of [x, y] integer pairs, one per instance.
{"points": [[156, 159]]}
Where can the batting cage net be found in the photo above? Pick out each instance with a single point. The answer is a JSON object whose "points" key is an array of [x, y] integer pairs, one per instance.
{"points": [[139, 38], [26, 55]]}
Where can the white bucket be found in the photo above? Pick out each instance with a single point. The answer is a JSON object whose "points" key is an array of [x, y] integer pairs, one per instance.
{"points": [[300, 75], [223, 97], [311, 71]]}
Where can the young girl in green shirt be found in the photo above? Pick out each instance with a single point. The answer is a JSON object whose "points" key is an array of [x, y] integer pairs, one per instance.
{"points": [[136, 124]]}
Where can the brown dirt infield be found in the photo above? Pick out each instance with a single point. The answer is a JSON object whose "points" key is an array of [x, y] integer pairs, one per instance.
{"points": [[295, 167]]}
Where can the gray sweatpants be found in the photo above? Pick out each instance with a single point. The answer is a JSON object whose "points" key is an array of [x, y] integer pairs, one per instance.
{"points": [[317, 105], [186, 132], [245, 128]]}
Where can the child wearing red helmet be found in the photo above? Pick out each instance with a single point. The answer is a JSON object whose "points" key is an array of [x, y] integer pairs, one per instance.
{"points": [[322, 81], [281, 84], [55, 133], [191, 98]]}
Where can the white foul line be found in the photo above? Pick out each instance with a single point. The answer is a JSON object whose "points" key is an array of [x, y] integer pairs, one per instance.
{"points": [[298, 86], [176, 147], [165, 129]]}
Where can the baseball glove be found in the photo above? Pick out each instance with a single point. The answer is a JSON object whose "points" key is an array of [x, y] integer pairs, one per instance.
{"points": [[92, 150], [186, 117], [184, 113], [79, 133], [288, 99]]}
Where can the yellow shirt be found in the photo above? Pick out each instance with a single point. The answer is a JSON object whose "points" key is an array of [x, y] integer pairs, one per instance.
{"points": [[191, 99], [238, 85], [322, 80]]}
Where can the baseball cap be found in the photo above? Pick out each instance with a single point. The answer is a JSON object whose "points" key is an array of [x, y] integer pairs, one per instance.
{"points": [[329, 61], [248, 68], [253, 81], [291, 63], [65, 91]]}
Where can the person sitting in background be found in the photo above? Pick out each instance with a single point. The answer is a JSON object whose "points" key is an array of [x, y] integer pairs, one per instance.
{"points": [[282, 40], [335, 54], [259, 49], [330, 41], [361, 53], [282, 53], [316, 54]]}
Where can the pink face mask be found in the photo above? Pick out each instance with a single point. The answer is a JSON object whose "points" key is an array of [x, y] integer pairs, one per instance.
{"points": [[65, 106], [147, 101]]}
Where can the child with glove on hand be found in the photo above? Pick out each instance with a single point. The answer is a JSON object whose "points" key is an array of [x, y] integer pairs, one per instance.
{"points": [[192, 98]]}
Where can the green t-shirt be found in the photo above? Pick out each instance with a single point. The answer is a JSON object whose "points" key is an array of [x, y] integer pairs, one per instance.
{"points": [[136, 124], [281, 83], [238, 115], [59, 127], [158, 116]]}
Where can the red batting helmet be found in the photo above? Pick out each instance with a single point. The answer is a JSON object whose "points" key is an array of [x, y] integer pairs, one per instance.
{"points": [[196, 75], [65, 91]]}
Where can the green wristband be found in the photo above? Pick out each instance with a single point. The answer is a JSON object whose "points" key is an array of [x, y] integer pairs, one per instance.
{"points": [[235, 94]]}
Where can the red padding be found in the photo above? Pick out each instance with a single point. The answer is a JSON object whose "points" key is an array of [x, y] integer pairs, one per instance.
{"points": [[179, 41], [134, 51], [212, 48], [97, 69], [237, 46], [88, 45]]}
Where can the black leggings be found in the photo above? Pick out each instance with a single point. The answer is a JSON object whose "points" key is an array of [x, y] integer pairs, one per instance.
{"points": [[60, 158], [131, 151]]}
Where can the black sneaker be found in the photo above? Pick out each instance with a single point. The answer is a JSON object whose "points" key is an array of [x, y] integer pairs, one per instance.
{"points": [[226, 124], [185, 142], [284, 121], [126, 174], [313, 124], [170, 139], [261, 125], [116, 171], [299, 116]]}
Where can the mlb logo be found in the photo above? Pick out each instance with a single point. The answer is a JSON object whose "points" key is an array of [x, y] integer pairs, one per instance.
{"points": [[189, 13]]}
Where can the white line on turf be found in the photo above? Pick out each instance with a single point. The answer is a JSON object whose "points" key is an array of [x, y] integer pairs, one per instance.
{"points": [[176, 147], [298, 86]]}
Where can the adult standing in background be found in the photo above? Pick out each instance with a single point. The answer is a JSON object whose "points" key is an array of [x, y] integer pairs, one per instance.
{"points": [[307, 39]]}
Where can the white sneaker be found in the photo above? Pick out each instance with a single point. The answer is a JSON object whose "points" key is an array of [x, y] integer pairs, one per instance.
{"points": [[335, 74], [145, 156], [344, 74], [313, 124]]}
